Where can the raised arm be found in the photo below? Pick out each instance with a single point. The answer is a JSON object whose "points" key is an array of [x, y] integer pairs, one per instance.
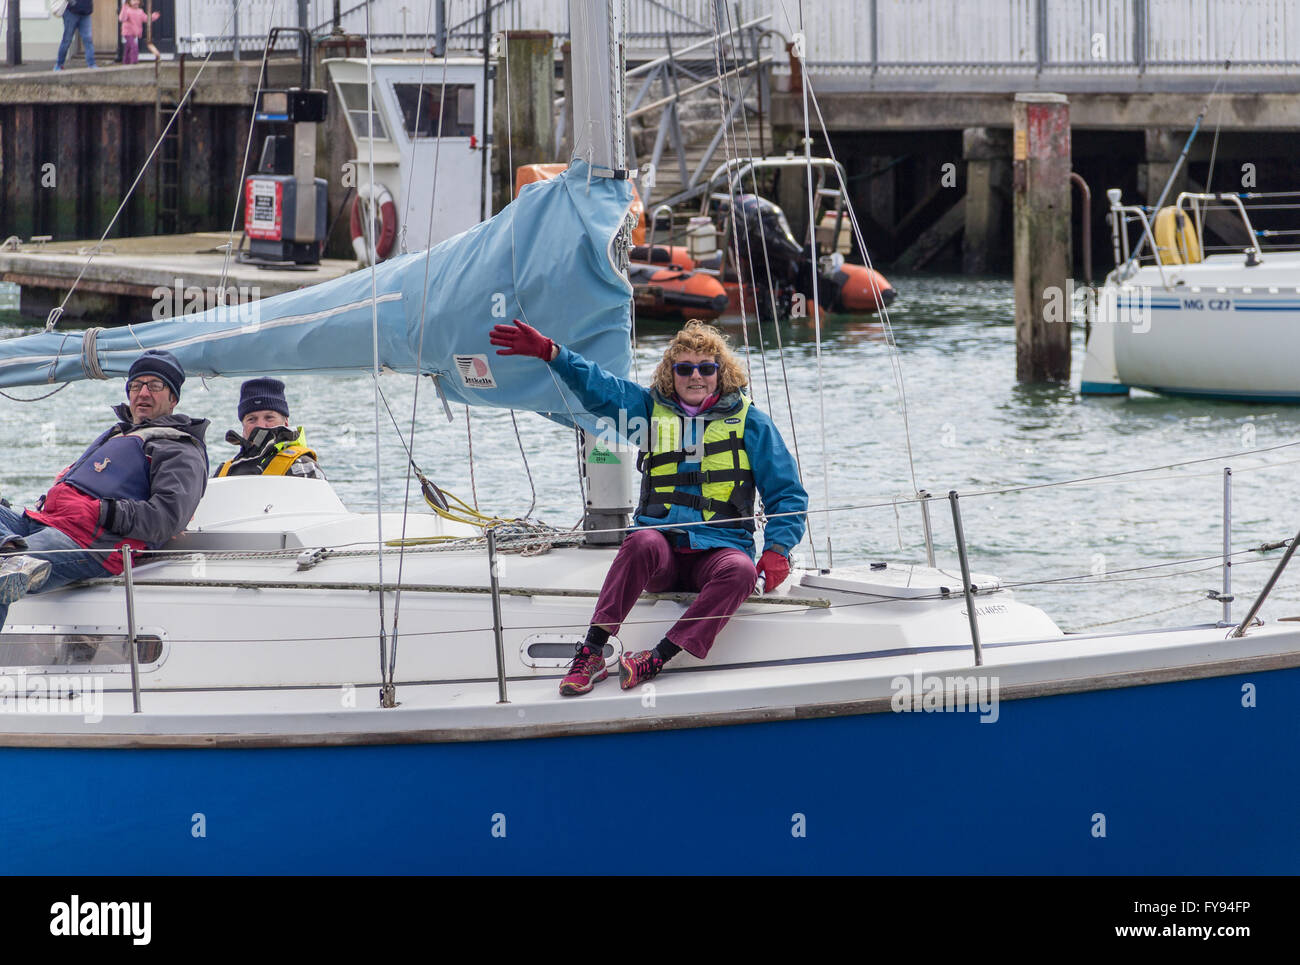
{"points": [[600, 392]]}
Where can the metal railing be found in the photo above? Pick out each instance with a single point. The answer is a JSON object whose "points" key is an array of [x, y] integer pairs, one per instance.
{"points": [[922, 36]]}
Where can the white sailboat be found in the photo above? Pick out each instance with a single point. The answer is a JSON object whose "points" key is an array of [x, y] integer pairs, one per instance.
{"points": [[1174, 319], [223, 708]]}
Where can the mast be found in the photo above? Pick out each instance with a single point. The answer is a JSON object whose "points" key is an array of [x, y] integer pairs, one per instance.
{"points": [[599, 138], [599, 121]]}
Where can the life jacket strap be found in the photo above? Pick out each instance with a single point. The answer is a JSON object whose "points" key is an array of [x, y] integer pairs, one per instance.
{"points": [[286, 457], [703, 477], [732, 443], [703, 504]]}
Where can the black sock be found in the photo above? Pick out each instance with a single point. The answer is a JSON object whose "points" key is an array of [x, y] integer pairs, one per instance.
{"points": [[666, 650], [595, 642]]}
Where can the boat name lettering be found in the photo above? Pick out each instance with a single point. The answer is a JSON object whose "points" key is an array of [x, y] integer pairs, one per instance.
{"points": [[987, 611]]}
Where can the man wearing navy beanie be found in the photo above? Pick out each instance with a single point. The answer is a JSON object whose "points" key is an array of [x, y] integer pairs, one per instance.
{"points": [[268, 446], [137, 485]]}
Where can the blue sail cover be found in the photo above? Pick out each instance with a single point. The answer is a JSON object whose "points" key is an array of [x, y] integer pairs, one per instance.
{"points": [[545, 258]]}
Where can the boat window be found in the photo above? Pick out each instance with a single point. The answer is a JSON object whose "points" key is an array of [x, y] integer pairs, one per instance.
{"points": [[354, 102], [546, 651], [59, 649], [425, 100], [560, 651]]}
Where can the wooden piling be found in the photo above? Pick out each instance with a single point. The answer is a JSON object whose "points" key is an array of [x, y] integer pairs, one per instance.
{"points": [[19, 181], [987, 151], [566, 143], [108, 172], [528, 86], [64, 183], [196, 201], [1041, 183], [1162, 148]]}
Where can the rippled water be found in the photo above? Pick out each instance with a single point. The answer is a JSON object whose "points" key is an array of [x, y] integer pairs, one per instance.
{"points": [[972, 428]]}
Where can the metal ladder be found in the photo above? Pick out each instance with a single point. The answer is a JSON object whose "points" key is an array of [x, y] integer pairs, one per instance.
{"points": [[171, 152]]}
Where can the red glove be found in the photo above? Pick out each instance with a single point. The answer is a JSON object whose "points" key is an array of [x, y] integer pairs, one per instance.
{"points": [[522, 340], [774, 568]]}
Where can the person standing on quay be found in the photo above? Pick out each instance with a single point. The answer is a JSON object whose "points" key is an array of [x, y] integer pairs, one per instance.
{"points": [[76, 19], [133, 18]]}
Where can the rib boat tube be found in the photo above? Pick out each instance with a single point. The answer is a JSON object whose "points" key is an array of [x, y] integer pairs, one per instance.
{"points": [[673, 293]]}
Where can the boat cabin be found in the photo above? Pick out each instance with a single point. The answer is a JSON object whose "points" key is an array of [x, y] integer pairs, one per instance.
{"points": [[420, 122]]}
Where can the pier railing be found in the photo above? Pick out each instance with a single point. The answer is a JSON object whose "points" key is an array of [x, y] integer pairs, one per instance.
{"points": [[851, 36]]}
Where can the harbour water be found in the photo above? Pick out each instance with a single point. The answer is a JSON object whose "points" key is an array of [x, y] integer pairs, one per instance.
{"points": [[1077, 548]]}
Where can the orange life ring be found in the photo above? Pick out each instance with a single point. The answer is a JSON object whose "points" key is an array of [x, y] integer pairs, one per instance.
{"points": [[387, 234]]}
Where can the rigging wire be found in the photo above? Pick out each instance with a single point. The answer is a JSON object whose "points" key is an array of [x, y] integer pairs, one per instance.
{"points": [[504, 48], [387, 689], [727, 118], [817, 309], [731, 209], [243, 170], [896, 363], [734, 29], [57, 312], [1218, 123], [731, 204], [469, 439], [415, 398]]}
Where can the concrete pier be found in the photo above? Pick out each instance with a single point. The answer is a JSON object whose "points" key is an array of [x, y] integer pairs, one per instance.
{"points": [[141, 279], [1041, 178]]}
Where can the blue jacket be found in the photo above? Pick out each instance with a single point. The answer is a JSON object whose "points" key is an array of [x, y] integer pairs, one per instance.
{"points": [[776, 475]]}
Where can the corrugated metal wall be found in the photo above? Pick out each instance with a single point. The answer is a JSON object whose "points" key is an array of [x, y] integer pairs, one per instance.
{"points": [[892, 35]]}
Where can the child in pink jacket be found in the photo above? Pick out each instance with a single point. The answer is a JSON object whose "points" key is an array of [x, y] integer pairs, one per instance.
{"points": [[132, 19]]}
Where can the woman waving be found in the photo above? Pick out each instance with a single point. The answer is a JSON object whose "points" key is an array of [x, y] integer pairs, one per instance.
{"points": [[707, 452]]}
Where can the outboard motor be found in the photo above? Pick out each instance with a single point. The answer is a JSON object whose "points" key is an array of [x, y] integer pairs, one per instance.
{"points": [[769, 243]]}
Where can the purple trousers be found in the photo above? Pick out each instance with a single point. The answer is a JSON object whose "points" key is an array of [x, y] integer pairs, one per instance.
{"points": [[130, 50], [647, 561]]}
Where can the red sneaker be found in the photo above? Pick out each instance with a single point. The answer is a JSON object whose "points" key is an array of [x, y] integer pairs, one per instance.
{"points": [[587, 670], [637, 668]]}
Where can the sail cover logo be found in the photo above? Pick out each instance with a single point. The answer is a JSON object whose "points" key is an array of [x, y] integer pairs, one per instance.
{"points": [[475, 372]]}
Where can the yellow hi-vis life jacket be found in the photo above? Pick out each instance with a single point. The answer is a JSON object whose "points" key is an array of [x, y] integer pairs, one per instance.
{"points": [[725, 479], [287, 453]]}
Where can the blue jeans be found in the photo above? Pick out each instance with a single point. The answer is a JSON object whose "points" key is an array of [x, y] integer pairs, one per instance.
{"points": [[76, 23], [65, 568]]}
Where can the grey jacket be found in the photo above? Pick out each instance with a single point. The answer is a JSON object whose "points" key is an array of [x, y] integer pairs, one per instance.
{"points": [[178, 477]]}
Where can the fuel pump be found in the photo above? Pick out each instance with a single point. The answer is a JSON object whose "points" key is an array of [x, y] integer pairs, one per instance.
{"points": [[285, 207]]}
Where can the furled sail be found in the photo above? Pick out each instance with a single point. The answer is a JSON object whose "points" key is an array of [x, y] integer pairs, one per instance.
{"points": [[546, 258]]}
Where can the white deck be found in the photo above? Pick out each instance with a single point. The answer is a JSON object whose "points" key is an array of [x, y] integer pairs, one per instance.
{"points": [[298, 661]]}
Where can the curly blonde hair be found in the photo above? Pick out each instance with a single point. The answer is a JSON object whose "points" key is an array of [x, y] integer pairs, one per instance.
{"points": [[697, 338]]}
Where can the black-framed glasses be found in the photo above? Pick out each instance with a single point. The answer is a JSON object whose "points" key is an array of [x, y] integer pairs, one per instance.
{"points": [[153, 385], [684, 369]]}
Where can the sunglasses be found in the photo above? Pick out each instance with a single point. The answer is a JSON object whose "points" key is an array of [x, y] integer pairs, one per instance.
{"points": [[684, 369]]}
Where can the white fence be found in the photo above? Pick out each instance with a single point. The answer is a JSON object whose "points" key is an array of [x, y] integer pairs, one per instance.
{"points": [[879, 35]]}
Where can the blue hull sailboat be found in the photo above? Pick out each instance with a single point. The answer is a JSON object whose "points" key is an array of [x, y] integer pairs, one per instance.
{"points": [[220, 709]]}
